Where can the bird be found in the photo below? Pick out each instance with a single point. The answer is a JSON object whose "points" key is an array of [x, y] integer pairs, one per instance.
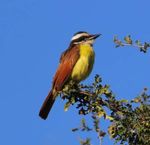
{"points": [[76, 63]]}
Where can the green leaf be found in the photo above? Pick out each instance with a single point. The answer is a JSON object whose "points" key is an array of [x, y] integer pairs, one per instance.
{"points": [[109, 118], [138, 42], [124, 101], [128, 39], [67, 105]]}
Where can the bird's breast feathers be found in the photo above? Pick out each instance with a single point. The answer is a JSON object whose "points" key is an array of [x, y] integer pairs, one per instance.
{"points": [[84, 65]]}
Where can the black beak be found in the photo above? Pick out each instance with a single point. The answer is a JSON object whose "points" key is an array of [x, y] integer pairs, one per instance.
{"points": [[94, 36]]}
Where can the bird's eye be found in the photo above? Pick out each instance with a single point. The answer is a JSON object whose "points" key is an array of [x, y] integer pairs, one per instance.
{"points": [[83, 39]]}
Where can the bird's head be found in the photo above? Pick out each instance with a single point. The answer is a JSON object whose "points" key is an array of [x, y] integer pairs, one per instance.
{"points": [[84, 38]]}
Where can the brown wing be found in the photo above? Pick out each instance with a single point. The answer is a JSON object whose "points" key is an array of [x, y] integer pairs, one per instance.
{"points": [[67, 62]]}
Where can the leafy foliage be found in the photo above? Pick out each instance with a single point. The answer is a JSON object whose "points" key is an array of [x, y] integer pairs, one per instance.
{"points": [[143, 47], [129, 120]]}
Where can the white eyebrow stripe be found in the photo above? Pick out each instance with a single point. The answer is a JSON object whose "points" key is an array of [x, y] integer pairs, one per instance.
{"points": [[78, 36]]}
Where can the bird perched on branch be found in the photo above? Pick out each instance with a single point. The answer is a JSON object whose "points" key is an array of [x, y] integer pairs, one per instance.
{"points": [[75, 65]]}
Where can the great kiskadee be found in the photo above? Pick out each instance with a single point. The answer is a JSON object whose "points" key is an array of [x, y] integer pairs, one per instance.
{"points": [[75, 65]]}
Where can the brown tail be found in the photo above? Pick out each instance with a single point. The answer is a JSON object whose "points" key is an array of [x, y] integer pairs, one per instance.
{"points": [[47, 105]]}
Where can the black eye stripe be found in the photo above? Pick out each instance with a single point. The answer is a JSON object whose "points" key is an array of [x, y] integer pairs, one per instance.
{"points": [[81, 38]]}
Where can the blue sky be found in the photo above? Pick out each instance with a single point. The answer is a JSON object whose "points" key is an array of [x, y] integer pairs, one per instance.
{"points": [[33, 33]]}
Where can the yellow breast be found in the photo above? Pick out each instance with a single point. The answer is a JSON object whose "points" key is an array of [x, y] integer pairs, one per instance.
{"points": [[84, 65]]}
